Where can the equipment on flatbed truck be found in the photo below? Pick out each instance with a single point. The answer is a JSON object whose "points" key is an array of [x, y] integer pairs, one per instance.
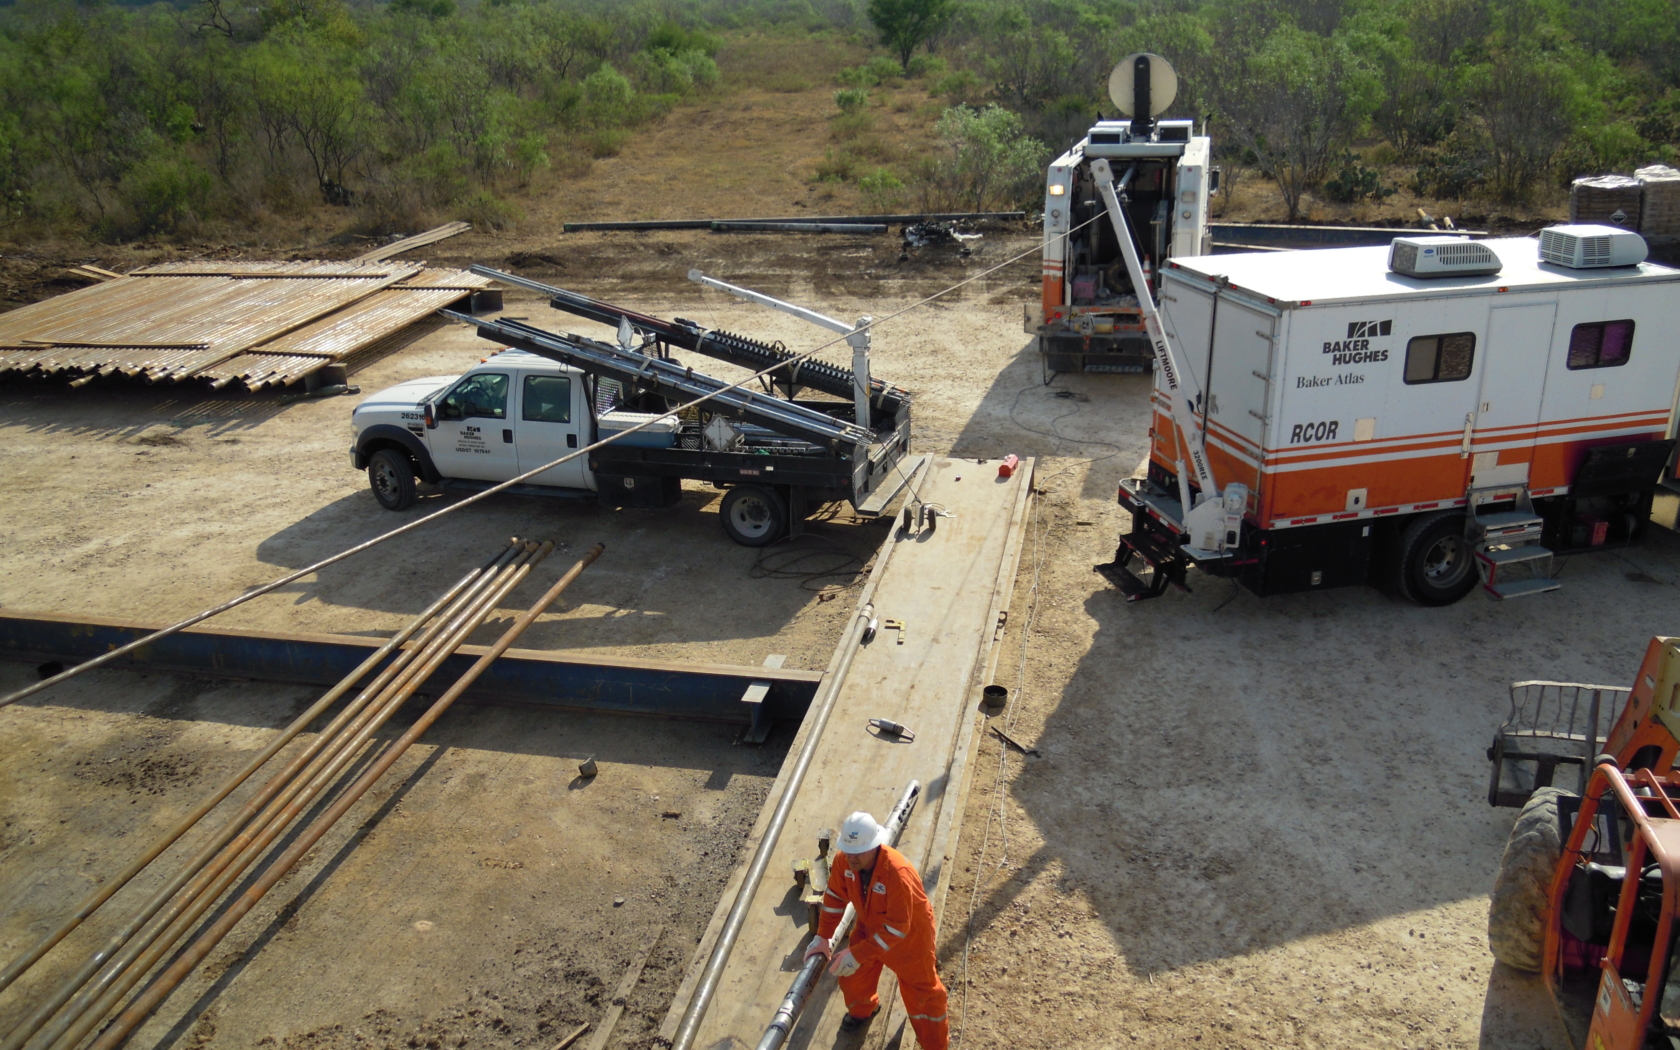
{"points": [[778, 456], [1090, 318], [1407, 430], [1589, 885]]}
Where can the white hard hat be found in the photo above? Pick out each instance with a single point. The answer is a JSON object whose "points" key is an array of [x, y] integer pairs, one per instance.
{"points": [[860, 834]]}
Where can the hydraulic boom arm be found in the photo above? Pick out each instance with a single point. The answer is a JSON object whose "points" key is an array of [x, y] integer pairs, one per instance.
{"points": [[1181, 386]]}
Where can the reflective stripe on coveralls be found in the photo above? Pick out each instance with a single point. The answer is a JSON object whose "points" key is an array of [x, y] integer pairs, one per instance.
{"points": [[894, 929]]}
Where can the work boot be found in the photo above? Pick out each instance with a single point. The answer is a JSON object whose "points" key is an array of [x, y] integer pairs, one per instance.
{"points": [[851, 1022]]}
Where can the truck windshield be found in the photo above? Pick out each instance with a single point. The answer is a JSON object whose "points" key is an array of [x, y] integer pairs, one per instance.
{"points": [[482, 396]]}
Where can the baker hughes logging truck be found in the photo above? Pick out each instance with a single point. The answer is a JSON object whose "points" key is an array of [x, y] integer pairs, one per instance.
{"points": [[1411, 416], [1090, 318]]}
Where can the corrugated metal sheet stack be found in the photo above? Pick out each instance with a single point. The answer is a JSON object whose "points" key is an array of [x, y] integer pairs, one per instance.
{"points": [[1601, 198], [1659, 219], [260, 324]]}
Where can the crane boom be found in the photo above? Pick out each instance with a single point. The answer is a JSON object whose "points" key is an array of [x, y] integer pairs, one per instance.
{"points": [[1181, 386]]}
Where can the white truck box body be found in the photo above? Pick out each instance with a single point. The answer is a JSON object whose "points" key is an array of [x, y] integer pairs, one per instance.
{"points": [[1309, 403]]}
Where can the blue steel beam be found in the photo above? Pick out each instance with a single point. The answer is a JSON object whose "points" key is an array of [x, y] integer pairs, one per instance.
{"points": [[665, 688]]}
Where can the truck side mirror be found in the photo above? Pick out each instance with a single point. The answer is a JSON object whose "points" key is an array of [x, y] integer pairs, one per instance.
{"points": [[1213, 181], [431, 416]]}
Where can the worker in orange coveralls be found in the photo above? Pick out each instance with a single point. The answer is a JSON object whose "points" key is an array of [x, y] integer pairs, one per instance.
{"points": [[894, 929]]}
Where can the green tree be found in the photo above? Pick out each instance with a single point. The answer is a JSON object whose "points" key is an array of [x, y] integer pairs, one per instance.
{"points": [[905, 25], [986, 160]]}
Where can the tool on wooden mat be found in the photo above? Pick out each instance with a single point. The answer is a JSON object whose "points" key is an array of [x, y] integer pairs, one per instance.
{"points": [[896, 730]]}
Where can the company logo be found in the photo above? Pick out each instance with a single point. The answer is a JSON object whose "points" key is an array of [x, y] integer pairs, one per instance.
{"points": [[1356, 348]]}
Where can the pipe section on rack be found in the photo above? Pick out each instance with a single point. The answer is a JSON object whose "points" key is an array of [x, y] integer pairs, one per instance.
{"points": [[236, 909], [134, 948], [116, 882], [145, 952]]}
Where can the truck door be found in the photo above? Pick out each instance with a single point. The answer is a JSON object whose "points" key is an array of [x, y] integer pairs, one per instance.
{"points": [[474, 436], [551, 424], [1513, 381]]}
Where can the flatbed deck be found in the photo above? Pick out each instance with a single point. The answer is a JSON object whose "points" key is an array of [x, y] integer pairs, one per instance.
{"points": [[949, 588]]}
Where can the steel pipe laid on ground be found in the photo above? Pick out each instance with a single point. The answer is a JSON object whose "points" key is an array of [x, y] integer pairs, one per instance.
{"points": [[240, 906], [456, 614], [799, 993], [799, 227], [703, 224], [116, 882], [144, 952]]}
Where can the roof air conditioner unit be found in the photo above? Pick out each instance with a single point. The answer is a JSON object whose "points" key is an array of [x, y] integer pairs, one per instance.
{"points": [[1441, 257], [1583, 247]]}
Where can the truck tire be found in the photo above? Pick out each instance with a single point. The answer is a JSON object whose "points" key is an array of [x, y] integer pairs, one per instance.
{"points": [[1517, 911], [391, 476], [754, 516], [1436, 563]]}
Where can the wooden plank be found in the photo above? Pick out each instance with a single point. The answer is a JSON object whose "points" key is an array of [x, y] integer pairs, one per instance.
{"points": [[625, 987], [943, 586], [419, 240]]}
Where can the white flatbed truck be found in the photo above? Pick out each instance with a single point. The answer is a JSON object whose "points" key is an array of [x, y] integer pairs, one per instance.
{"points": [[778, 457]]}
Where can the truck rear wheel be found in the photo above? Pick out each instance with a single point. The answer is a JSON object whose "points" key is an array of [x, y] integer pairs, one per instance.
{"points": [[754, 516], [1520, 905], [1436, 563], [391, 476]]}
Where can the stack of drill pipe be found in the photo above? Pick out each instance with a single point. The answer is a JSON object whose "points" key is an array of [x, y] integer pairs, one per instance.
{"points": [[136, 947]]}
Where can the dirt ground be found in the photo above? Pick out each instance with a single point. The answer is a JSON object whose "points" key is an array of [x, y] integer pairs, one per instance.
{"points": [[1250, 823]]}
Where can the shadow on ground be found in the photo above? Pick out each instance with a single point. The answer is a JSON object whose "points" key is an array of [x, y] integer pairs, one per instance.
{"points": [[50, 407], [668, 576], [1223, 774], [1030, 412]]}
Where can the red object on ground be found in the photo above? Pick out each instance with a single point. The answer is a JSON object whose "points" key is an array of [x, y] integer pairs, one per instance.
{"points": [[1006, 469]]}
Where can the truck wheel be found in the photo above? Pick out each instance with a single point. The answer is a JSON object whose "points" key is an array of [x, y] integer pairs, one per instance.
{"points": [[391, 476], [754, 516], [1518, 910], [1436, 563]]}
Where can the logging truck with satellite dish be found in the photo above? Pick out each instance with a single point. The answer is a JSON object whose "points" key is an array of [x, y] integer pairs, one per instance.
{"points": [[1090, 318]]}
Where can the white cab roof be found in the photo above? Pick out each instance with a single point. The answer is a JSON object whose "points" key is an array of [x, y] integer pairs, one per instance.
{"points": [[510, 358], [1328, 275]]}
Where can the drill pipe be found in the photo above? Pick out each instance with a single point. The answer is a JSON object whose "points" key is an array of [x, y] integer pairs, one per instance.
{"points": [[793, 1004], [22, 963], [326, 758], [462, 600], [195, 953], [124, 973]]}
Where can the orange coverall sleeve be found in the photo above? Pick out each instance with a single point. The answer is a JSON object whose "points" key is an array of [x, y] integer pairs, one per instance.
{"points": [[903, 888], [833, 907]]}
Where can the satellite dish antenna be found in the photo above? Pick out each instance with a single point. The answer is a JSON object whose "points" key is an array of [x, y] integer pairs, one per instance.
{"points": [[1143, 86]]}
